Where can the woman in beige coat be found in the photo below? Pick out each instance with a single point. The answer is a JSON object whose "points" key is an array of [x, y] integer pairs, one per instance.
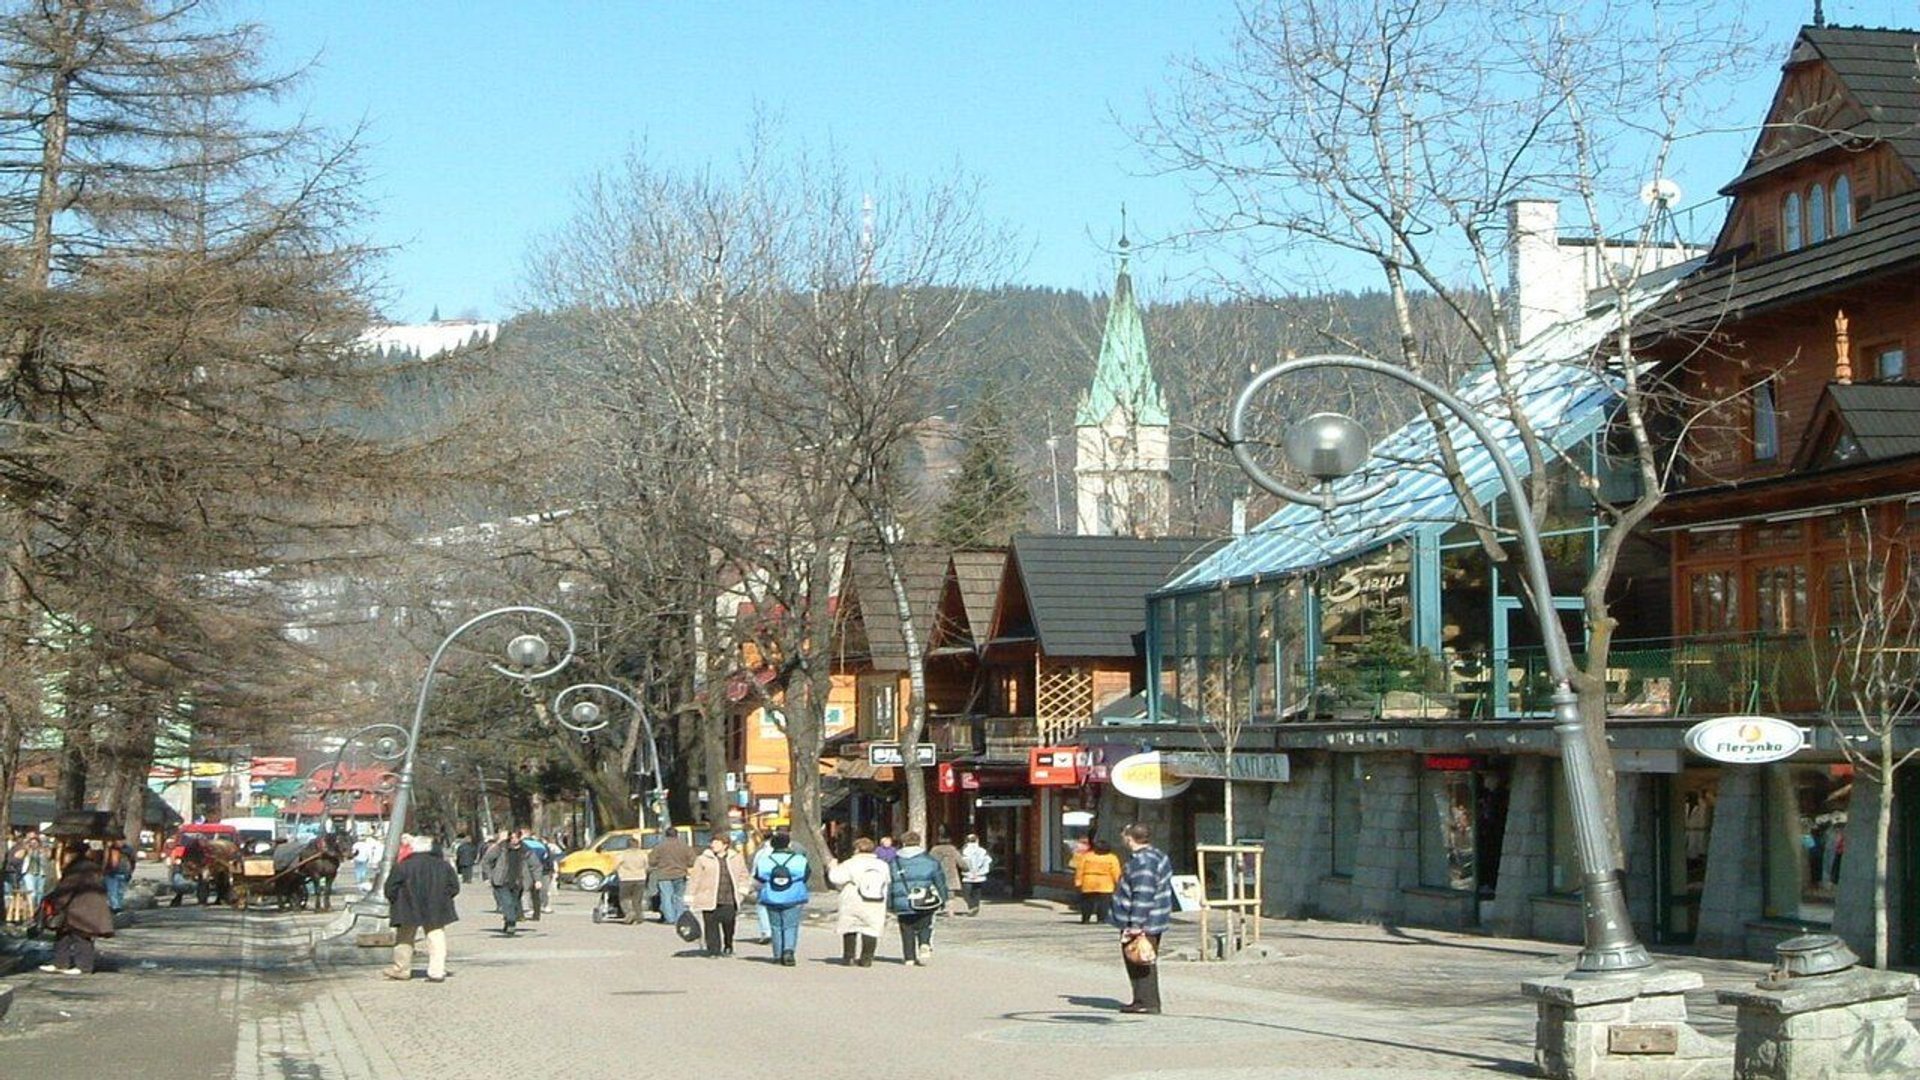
{"points": [[863, 881], [717, 884]]}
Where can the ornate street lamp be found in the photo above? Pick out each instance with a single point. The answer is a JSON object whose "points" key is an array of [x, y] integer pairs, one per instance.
{"points": [[586, 717], [525, 654], [1329, 447]]}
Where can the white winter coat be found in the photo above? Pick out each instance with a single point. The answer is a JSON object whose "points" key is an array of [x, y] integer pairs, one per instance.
{"points": [[859, 915]]}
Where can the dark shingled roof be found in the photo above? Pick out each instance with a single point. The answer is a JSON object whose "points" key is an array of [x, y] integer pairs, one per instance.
{"points": [[978, 575], [925, 568], [1886, 238], [1883, 418], [1088, 594], [1877, 68]]}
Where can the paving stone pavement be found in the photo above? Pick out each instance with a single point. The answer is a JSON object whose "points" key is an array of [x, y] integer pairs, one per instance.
{"points": [[1022, 991]]}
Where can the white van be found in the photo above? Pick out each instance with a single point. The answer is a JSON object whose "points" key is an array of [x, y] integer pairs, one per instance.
{"points": [[255, 832]]}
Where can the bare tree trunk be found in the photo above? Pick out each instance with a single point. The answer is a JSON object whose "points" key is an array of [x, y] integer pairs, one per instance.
{"points": [[916, 779], [1883, 848]]}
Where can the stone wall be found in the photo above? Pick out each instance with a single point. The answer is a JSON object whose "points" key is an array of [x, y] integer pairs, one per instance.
{"points": [[1733, 895], [1299, 836], [1388, 860], [1853, 906], [1526, 856]]}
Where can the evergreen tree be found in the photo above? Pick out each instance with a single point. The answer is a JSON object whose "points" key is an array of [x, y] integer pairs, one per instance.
{"points": [[988, 500]]}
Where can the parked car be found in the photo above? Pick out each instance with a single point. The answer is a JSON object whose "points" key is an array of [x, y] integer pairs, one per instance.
{"points": [[591, 866]]}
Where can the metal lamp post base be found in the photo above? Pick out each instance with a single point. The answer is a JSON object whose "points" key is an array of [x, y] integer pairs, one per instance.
{"points": [[1630, 1025], [358, 935]]}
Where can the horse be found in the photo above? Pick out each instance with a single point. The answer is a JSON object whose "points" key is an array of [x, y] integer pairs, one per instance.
{"points": [[304, 873], [205, 865]]}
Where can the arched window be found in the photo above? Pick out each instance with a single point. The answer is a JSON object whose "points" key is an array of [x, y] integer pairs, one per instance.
{"points": [[1790, 222], [1842, 204], [1817, 214]]}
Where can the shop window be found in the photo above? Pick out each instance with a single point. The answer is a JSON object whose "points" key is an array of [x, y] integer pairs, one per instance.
{"points": [[1689, 827], [1069, 819], [1790, 222], [1447, 830], [1349, 774], [1817, 214], [1842, 205], [1805, 833], [1765, 419], [1780, 598], [1890, 362]]}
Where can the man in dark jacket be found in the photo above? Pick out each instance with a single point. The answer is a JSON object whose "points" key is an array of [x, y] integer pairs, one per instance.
{"points": [[917, 891], [421, 891], [1143, 908], [465, 854]]}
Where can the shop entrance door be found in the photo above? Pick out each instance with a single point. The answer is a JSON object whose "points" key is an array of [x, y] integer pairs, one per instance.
{"points": [[1003, 832], [1684, 803]]}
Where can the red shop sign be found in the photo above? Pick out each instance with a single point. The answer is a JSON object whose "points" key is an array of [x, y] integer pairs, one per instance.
{"points": [[1054, 766], [1451, 763]]}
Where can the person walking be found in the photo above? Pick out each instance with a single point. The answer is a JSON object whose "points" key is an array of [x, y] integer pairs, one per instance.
{"points": [[540, 896], [33, 872], [671, 859], [716, 885], [885, 851], [918, 890], [364, 856], [631, 868], [117, 867], [13, 881], [864, 882], [1142, 909], [420, 893], [975, 865], [1096, 877], [465, 854], [511, 870], [79, 915], [763, 919], [948, 857], [782, 874]]}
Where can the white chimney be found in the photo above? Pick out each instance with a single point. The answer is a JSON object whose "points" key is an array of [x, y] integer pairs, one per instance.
{"points": [[1547, 281], [1239, 517]]}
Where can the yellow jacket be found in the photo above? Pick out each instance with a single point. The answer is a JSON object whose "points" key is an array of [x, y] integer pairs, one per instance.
{"points": [[1097, 873]]}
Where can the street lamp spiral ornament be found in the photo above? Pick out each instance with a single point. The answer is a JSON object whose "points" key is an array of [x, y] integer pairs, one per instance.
{"points": [[526, 655], [586, 717], [1330, 448]]}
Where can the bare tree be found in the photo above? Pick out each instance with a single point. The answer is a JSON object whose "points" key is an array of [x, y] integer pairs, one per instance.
{"points": [[1389, 137]]}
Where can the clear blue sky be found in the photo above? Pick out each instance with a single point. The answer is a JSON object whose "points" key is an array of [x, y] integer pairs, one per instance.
{"points": [[483, 114]]}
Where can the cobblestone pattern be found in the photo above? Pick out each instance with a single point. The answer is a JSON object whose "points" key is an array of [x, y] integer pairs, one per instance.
{"points": [[1299, 836], [1388, 861], [1733, 896]]}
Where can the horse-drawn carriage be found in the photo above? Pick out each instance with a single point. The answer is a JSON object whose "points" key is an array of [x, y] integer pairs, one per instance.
{"points": [[216, 863]]}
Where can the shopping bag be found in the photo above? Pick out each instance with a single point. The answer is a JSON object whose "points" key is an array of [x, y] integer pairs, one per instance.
{"points": [[687, 926]]}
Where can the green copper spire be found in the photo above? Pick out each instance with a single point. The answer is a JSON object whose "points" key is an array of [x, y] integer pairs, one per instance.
{"points": [[1123, 378]]}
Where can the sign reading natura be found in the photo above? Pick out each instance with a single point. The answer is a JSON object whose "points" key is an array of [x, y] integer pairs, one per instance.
{"points": [[1746, 740]]}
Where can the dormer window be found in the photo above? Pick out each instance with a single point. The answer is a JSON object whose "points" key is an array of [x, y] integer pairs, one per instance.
{"points": [[1817, 214], [1842, 204], [1790, 236], [1820, 211]]}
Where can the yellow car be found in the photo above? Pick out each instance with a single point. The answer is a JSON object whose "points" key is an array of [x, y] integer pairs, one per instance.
{"points": [[591, 866]]}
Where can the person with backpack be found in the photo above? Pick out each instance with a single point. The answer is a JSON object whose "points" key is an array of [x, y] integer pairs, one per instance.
{"points": [[975, 865], [864, 882], [782, 874], [917, 892]]}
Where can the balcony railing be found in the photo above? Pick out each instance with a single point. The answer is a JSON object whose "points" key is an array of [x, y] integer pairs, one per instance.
{"points": [[1775, 674]]}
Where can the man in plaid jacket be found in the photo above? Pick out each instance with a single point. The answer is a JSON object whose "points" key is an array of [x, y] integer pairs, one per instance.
{"points": [[1143, 906]]}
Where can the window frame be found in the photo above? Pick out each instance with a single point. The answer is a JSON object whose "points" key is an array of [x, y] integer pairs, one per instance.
{"points": [[1792, 230], [1842, 211], [1763, 425]]}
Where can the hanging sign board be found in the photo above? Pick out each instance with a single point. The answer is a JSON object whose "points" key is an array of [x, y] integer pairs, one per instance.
{"points": [[1054, 766], [1259, 768], [882, 754], [1146, 776], [1746, 740]]}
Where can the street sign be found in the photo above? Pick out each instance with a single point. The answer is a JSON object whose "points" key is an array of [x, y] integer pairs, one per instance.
{"points": [[888, 753]]}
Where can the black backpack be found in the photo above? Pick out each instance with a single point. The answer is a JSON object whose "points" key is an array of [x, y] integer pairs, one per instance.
{"points": [[780, 874]]}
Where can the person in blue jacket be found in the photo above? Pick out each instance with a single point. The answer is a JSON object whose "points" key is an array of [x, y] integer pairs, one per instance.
{"points": [[782, 874], [918, 890]]}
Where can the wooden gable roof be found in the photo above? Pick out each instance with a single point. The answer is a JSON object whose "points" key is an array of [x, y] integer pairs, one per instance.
{"points": [[1086, 596], [871, 618]]}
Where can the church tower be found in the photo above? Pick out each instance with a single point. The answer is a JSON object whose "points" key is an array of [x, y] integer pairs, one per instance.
{"points": [[1122, 480]]}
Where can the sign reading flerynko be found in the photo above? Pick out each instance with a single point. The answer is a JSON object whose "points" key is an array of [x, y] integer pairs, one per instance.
{"points": [[888, 753], [1746, 740]]}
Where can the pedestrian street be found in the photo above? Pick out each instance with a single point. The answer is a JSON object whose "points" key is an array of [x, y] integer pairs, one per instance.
{"points": [[1022, 990]]}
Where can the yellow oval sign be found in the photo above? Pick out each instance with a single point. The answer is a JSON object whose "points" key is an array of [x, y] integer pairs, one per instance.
{"points": [[1146, 776]]}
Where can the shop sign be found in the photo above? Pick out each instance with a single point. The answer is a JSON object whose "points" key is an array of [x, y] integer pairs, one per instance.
{"points": [[884, 754], [1451, 763], [1146, 776], [275, 768], [1258, 768], [1054, 766], [1746, 740]]}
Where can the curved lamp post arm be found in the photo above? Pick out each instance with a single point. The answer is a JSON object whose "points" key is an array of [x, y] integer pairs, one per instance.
{"points": [[646, 724], [402, 798], [1611, 948]]}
